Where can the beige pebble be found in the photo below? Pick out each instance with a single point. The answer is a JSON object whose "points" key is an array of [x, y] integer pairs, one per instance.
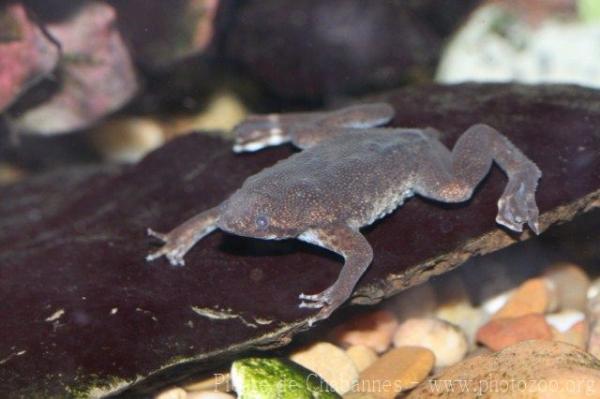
{"points": [[127, 139], [331, 363], [398, 370], [530, 369], [445, 340], [362, 356], [215, 382], [570, 284], [223, 111], [173, 393], [533, 296], [464, 315], [498, 334], [374, 329], [209, 395]]}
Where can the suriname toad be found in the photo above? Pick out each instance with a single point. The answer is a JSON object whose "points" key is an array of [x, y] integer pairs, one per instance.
{"points": [[350, 174]]}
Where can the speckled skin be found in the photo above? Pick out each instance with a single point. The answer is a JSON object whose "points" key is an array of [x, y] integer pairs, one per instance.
{"points": [[350, 174]]}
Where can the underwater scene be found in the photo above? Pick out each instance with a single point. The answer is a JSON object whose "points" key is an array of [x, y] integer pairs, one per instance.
{"points": [[299, 199]]}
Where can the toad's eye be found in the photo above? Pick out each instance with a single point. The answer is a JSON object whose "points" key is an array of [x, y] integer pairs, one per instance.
{"points": [[262, 222]]}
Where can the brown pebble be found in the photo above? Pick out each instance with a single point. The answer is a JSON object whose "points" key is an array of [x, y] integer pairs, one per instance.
{"points": [[530, 369], [533, 296], [374, 329], [398, 370], [497, 334]]}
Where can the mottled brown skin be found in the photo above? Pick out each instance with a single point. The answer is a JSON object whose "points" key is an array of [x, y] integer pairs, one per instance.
{"points": [[351, 174]]}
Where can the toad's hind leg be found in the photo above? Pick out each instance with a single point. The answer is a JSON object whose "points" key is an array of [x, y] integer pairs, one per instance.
{"points": [[357, 253], [181, 239], [453, 177]]}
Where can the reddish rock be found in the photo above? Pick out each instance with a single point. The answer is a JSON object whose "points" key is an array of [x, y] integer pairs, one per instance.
{"points": [[96, 74], [533, 296], [27, 54], [497, 334]]}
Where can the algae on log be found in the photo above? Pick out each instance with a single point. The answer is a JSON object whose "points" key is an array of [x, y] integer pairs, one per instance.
{"points": [[83, 313]]}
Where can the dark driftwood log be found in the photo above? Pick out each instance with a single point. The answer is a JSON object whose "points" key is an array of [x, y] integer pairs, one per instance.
{"points": [[81, 309]]}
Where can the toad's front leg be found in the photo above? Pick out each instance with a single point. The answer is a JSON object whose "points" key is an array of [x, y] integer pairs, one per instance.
{"points": [[306, 129], [357, 253], [179, 240]]}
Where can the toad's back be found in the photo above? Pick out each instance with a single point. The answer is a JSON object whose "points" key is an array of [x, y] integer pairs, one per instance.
{"points": [[359, 175]]}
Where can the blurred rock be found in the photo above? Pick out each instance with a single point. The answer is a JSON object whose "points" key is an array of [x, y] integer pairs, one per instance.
{"points": [[311, 49], [127, 140], [27, 54], [497, 45], [570, 284], [533, 296], [95, 73], [160, 33], [372, 329]]}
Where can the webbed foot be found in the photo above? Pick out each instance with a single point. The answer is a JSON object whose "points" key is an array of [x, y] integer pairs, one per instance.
{"points": [[328, 301], [517, 206], [171, 249]]}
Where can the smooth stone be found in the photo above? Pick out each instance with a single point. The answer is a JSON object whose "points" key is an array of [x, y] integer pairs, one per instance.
{"points": [[531, 369], [362, 356], [570, 284], [445, 340], [209, 395], [173, 393], [374, 330], [533, 296], [498, 334], [331, 363], [398, 370], [463, 315]]}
